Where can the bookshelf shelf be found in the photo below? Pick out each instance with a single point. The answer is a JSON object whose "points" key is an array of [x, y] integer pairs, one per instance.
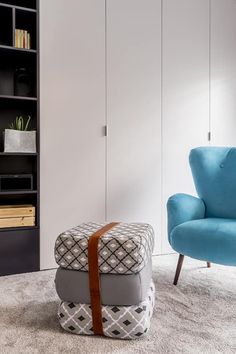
{"points": [[18, 7], [19, 88], [11, 48], [22, 228], [25, 4], [18, 154], [21, 98], [18, 192]]}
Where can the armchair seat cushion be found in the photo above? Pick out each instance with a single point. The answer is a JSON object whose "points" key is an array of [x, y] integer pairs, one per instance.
{"points": [[210, 239]]}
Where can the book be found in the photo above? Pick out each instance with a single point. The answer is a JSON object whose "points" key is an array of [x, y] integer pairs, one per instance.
{"points": [[26, 39], [29, 41], [24, 44], [22, 39], [16, 38], [17, 45]]}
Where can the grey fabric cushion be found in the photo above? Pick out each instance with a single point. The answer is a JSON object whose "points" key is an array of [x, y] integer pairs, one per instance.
{"points": [[116, 289]]}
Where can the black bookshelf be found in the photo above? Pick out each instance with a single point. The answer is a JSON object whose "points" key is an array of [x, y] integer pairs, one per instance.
{"points": [[19, 246]]}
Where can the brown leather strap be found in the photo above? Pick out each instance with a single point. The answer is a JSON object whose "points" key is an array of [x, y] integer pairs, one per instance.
{"points": [[94, 279]]}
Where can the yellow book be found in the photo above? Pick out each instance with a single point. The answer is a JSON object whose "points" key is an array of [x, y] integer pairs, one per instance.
{"points": [[16, 38], [28, 41], [19, 40], [22, 39]]}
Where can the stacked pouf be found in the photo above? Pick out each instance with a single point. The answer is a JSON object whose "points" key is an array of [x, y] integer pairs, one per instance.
{"points": [[104, 279]]}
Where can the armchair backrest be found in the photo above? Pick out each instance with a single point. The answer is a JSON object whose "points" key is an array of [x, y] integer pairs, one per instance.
{"points": [[214, 174]]}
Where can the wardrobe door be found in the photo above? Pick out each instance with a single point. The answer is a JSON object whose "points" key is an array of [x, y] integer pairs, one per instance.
{"points": [[185, 93], [223, 72], [72, 57], [134, 112]]}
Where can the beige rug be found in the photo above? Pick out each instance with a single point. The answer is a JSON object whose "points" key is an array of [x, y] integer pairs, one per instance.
{"points": [[197, 316]]}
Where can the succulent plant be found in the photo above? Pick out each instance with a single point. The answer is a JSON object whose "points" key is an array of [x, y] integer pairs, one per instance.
{"points": [[20, 123]]}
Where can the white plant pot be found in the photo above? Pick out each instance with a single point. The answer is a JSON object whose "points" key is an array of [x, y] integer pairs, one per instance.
{"points": [[19, 141]]}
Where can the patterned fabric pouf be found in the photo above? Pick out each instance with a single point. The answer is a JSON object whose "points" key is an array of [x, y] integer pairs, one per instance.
{"points": [[125, 322], [122, 266]]}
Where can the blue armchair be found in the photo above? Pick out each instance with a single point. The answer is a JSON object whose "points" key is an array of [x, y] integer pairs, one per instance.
{"points": [[205, 228]]}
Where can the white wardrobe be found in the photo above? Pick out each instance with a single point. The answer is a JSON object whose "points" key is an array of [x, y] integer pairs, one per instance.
{"points": [[72, 113], [133, 52], [160, 75]]}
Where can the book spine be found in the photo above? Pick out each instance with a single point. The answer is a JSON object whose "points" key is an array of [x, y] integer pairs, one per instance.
{"points": [[25, 39], [16, 38], [29, 41], [20, 33], [22, 39]]}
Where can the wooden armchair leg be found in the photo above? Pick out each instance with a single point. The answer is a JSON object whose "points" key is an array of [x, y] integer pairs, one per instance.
{"points": [[208, 264], [178, 269]]}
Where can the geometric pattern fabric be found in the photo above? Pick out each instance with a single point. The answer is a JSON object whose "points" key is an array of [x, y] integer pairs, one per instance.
{"points": [[125, 249], [124, 322]]}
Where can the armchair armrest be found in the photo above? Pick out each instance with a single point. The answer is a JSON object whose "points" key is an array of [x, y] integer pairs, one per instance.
{"points": [[182, 208]]}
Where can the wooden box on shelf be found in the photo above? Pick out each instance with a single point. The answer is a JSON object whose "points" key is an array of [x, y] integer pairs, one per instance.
{"points": [[17, 215]]}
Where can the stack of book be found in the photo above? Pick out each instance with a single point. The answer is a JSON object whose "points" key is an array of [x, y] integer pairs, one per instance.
{"points": [[17, 215], [22, 39]]}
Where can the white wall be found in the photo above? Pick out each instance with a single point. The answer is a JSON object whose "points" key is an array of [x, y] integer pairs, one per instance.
{"points": [[72, 104]]}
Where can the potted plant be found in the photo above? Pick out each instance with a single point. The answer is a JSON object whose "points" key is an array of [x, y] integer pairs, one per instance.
{"points": [[18, 138]]}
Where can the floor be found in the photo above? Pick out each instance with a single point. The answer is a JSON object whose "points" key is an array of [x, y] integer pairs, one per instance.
{"points": [[197, 316]]}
